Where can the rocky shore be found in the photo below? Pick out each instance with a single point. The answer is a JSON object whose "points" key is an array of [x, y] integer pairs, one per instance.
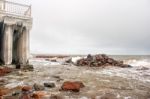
{"points": [[84, 79]]}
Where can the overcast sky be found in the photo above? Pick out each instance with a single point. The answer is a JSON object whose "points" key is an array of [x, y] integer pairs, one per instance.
{"points": [[90, 26]]}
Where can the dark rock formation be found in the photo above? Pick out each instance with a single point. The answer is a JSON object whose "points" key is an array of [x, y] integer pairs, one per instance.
{"points": [[100, 60], [50, 85]]}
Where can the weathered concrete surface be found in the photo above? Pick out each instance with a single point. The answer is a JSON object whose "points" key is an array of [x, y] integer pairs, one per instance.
{"points": [[14, 32], [7, 45], [14, 41], [23, 47]]}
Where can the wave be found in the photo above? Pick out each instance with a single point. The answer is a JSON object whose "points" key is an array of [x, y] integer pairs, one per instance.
{"points": [[142, 62]]}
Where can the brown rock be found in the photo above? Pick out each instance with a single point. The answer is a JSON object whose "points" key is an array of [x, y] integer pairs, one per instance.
{"points": [[38, 95], [5, 70], [25, 96], [72, 86], [26, 88], [4, 91], [55, 97], [100, 60], [10, 97]]}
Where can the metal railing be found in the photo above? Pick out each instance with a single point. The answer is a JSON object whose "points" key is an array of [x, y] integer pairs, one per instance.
{"points": [[16, 9]]}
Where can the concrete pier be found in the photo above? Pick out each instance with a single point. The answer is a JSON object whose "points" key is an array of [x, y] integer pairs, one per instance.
{"points": [[14, 34]]}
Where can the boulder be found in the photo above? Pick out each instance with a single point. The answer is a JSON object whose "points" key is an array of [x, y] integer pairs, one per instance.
{"points": [[5, 70], [38, 95], [4, 91], [72, 86], [50, 85], [55, 97], [38, 87], [26, 88]]}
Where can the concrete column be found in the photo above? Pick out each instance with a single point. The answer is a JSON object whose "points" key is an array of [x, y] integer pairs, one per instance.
{"points": [[7, 45], [23, 47], [2, 4]]}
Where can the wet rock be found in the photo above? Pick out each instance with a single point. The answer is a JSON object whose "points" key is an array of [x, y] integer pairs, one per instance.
{"points": [[58, 78], [11, 97], [26, 92], [72, 86], [69, 60], [38, 95], [28, 67], [16, 93], [38, 87], [143, 68], [54, 76], [55, 97], [5, 70], [125, 66], [100, 60], [25, 96], [2, 80], [26, 88], [50, 85], [53, 60], [4, 91]]}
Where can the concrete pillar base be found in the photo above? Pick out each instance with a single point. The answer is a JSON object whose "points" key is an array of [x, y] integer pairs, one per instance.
{"points": [[7, 45]]}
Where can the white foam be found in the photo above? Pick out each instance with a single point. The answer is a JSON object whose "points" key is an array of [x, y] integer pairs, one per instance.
{"points": [[143, 62], [75, 59]]}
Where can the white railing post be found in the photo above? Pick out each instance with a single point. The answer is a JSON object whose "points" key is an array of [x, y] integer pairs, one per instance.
{"points": [[2, 5]]}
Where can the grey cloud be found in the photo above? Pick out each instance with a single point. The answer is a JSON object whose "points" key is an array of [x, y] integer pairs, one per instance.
{"points": [[91, 26]]}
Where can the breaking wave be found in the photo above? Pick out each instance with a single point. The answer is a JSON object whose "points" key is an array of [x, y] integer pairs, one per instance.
{"points": [[142, 62]]}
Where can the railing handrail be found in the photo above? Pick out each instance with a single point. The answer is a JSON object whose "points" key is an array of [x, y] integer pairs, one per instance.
{"points": [[25, 5], [26, 12]]}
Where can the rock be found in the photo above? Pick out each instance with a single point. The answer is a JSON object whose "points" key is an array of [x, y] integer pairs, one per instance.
{"points": [[38, 95], [5, 70], [125, 65], [100, 60], [28, 67], [55, 97], [89, 57], [11, 97], [143, 68], [2, 80], [38, 87], [72, 86], [69, 60], [26, 92], [53, 60], [26, 88], [25, 96], [50, 85], [54, 76], [16, 93], [4, 91]]}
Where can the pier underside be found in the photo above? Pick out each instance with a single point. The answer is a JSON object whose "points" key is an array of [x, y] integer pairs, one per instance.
{"points": [[14, 44], [15, 25]]}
